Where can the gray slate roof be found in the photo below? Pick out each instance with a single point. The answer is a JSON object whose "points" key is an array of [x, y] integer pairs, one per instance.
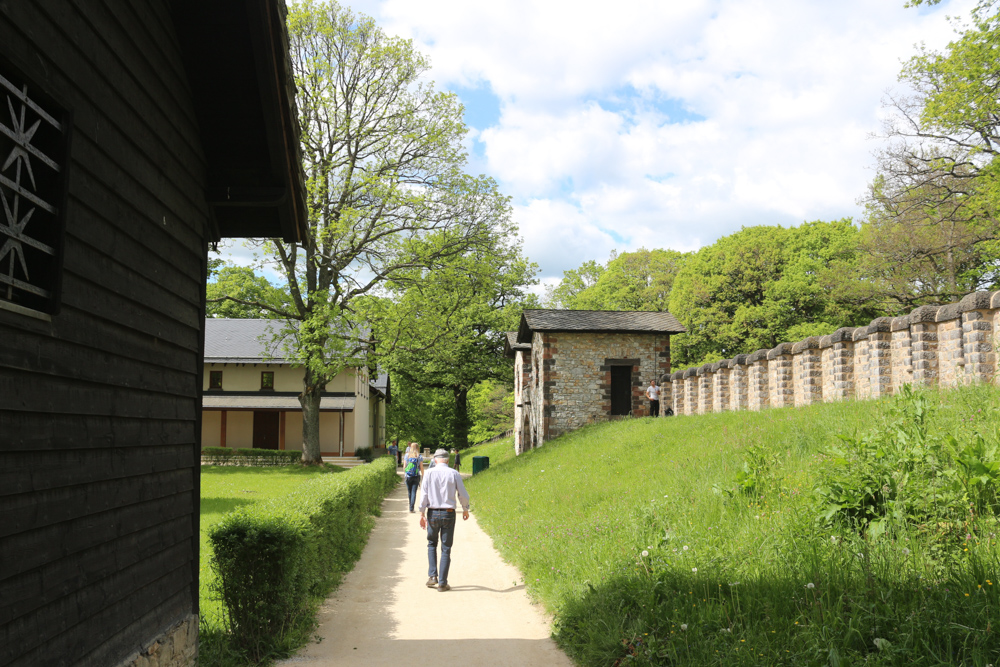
{"points": [[594, 321], [511, 346], [382, 385], [241, 341]]}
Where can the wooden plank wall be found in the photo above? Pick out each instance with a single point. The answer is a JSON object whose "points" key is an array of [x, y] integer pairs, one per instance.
{"points": [[99, 424]]}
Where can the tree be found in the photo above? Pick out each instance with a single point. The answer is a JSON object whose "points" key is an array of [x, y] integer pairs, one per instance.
{"points": [[765, 285], [236, 291], [921, 248], [932, 212], [447, 327], [574, 281], [387, 196]]}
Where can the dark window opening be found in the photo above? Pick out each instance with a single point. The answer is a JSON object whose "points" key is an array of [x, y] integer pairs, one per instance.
{"points": [[621, 390], [34, 142], [267, 380], [215, 379]]}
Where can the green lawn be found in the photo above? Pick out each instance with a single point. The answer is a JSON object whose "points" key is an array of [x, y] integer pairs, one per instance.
{"points": [[638, 536], [223, 489]]}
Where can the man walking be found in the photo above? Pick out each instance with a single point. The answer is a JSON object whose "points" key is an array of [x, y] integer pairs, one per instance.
{"points": [[653, 394], [437, 514]]}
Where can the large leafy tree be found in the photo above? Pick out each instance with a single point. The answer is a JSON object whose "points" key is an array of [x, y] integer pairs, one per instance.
{"points": [[933, 211], [445, 328], [387, 195], [238, 292], [639, 280], [765, 285]]}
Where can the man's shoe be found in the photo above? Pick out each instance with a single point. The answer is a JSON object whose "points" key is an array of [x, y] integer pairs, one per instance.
{"points": [[432, 582], [443, 587]]}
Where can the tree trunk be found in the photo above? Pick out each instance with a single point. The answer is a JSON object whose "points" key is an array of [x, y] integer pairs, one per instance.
{"points": [[310, 397], [461, 417]]}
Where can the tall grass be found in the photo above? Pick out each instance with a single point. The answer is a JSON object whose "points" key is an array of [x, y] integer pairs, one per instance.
{"points": [[697, 541]]}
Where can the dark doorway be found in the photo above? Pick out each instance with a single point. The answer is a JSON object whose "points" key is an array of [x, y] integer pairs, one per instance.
{"points": [[621, 390], [265, 430]]}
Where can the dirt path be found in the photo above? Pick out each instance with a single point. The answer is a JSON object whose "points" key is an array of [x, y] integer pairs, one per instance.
{"points": [[383, 614]]}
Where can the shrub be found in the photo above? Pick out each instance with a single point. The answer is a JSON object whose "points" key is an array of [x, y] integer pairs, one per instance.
{"points": [[902, 472], [249, 457], [366, 454], [273, 558]]}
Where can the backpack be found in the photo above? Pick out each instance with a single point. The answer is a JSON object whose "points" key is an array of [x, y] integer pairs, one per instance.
{"points": [[411, 469]]}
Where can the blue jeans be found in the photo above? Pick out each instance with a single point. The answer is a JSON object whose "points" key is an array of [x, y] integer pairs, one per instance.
{"points": [[439, 522], [411, 487]]}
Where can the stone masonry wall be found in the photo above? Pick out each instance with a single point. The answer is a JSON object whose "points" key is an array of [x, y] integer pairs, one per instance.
{"points": [[571, 379], [177, 646], [934, 345]]}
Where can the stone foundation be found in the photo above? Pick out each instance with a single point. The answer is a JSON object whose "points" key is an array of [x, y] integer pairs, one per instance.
{"points": [[175, 647], [934, 345]]}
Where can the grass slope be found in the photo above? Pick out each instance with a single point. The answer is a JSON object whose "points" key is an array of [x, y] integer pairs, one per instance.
{"points": [[637, 537]]}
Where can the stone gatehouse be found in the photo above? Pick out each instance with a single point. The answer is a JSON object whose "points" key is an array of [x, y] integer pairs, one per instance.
{"points": [[575, 367]]}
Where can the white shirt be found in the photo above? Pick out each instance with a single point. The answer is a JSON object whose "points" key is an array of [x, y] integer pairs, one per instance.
{"points": [[653, 393], [441, 484]]}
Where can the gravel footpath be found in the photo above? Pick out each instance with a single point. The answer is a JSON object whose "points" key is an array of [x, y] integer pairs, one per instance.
{"points": [[384, 614]]}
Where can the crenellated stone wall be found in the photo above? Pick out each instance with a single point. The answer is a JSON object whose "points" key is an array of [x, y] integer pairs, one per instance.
{"points": [[934, 345]]}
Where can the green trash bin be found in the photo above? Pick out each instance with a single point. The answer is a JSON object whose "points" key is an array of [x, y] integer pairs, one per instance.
{"points": [[480, 463]]}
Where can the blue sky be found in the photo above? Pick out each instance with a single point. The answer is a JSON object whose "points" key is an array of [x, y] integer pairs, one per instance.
{"points": [[667, 123]]}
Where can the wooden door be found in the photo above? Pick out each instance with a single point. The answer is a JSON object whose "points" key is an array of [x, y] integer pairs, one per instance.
{"points": [[265, 430], [621, 390]]}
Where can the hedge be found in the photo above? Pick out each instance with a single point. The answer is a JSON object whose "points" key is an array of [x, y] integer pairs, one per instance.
{"points": [[274, 558], [249, 457]]}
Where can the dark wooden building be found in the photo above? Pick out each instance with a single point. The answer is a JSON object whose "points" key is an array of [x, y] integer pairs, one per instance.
{"points": [[133, 133]]}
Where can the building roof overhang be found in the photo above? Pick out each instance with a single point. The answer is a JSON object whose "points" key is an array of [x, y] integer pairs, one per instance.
{"points": [[511, 346], [272, 402], [596, 321], [235, 55]]}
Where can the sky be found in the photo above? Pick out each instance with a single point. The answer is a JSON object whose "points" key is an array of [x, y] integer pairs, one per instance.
{"points": [[667, 123]]}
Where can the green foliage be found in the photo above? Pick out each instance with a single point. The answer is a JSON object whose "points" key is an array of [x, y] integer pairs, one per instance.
{"points": [[238, 292], [762, 285], [933, 210], [249, 457], [491, 410], [274, 559], [366, 454], [639, 280], [577, 515], [904, 473]]}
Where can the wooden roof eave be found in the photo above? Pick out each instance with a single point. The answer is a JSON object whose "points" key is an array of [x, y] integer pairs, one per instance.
{"points": [[236, 58]]}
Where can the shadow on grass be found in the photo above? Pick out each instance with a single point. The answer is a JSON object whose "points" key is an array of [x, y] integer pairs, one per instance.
{"points": [[224, 505], [841, 618]]}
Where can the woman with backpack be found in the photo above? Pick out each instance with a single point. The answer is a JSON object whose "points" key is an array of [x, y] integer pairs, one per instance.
{"points": [[413, 467]]}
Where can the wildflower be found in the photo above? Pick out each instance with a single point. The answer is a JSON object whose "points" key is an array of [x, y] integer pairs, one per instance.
{"points": [[644, 553], [694, 569], [906, 552], [685, 547], [810, 585], [684, 626], [834, 539]]}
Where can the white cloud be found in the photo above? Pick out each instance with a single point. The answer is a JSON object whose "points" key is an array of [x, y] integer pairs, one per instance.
{"points": [[775, 100]]}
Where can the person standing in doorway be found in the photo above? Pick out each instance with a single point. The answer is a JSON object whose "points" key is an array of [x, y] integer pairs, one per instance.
{"points": [[442, 488], [653, 394], [412, 469]]}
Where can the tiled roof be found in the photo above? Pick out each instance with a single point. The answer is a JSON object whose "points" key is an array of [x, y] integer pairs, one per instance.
{"points": [[593, 321], [236, 341], [381, 384], [511, 346]]}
